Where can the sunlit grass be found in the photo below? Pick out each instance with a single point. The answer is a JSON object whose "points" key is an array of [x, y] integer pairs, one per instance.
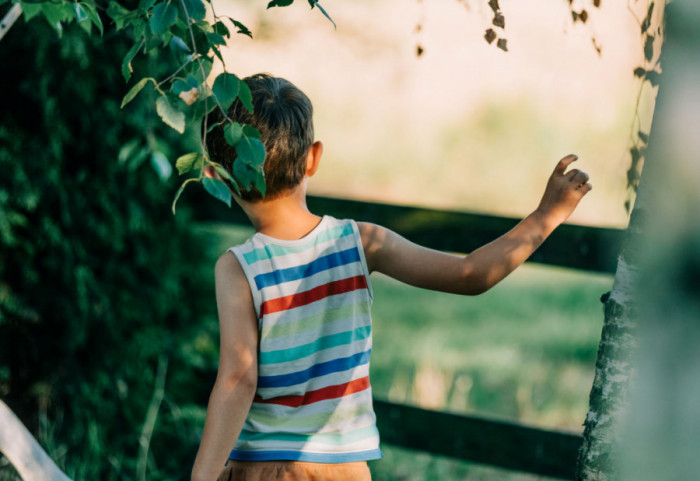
{"points": [[524, 350]]}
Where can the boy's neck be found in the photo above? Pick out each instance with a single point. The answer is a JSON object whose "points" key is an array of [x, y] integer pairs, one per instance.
{"points": [[286, 217]]}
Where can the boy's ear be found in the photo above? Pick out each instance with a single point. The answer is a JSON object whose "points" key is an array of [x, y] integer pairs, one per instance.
{"points": [[313, 158]]}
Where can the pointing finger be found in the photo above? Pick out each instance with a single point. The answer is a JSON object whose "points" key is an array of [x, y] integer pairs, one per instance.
{"points": [[564, 163]]}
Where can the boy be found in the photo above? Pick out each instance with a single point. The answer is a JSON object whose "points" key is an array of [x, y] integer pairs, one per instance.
{"points": [[292, 394]]}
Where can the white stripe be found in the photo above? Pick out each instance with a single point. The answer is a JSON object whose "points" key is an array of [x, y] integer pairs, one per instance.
{"points": [[355, 422], [273, 445]]}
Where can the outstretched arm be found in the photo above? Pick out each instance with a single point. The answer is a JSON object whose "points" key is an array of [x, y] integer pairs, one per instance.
{"points": [[391, 254], [236, 379]]}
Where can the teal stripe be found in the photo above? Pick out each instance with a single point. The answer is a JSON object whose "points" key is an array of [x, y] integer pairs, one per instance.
{"points": [[273, 250], [314, 322], [325, 342], [332, 439]]}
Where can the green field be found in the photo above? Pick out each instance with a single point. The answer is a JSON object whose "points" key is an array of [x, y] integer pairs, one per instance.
{"points": [[524, 350]]}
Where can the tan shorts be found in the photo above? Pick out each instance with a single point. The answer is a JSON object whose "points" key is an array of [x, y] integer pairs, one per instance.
{"points": [[294, 471]]}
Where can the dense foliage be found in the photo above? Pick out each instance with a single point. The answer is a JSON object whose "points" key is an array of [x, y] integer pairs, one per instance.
{"points": [[100, 285]]}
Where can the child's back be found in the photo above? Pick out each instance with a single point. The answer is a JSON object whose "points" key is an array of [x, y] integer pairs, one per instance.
{"points": [[292, 391], [312, 298]]}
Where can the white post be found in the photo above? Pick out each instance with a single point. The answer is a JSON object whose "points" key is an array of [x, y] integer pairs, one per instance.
{"points": [[10, 18], [24, 452]]}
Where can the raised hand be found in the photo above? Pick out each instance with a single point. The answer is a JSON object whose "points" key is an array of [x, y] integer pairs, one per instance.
{"points": [[564, 191]]}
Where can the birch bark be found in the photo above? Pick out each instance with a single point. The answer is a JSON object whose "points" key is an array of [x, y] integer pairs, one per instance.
{"points": [[643, 423]]}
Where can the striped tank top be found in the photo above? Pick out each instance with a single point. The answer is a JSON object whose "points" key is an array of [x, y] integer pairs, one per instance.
{"points": [[312, 297]]}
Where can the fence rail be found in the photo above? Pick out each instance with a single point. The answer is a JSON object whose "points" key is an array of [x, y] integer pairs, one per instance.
{"points": [[573, 246], [488, 441], [503, 444]]}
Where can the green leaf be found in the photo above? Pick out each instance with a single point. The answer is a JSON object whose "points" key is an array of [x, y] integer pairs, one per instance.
{"points": [[187, 162], [323, 11], [86, 25], [200, 109], [217, 189], [133, 92], [56, 13], [184, 85], [140, 26], [217, 52], [94, 16], [280, 3], [647, 20], [213, 126], [178, 45], [118, 13], [146, 4], [196, 72], [180, 191], [164, 16], [216, 39], [127, 150], [80, 13], [250, 131], [30, 10], [244, 173], [260, 183], [161, 165], [195, 9], [222, 29], [251, 151], [233, 132], [137, 159], [224, 174], [246, 97], [649, 48], [242, 29], [170, 115], [225, 88], [653, 77], [248, 166], [127, 70]]}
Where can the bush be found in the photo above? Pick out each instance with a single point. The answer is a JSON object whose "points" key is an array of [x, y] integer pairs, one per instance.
{"points": [[98, 281]]}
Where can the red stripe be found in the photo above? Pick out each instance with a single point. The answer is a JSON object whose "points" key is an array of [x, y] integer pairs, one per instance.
{"points": [[317, 293], [330, 392]]}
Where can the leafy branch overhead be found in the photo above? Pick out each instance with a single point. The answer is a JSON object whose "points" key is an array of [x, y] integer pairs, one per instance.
{"points": [[193, 34]]}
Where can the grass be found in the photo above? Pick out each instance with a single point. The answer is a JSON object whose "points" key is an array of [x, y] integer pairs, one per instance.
{"points": [[524, 350]]}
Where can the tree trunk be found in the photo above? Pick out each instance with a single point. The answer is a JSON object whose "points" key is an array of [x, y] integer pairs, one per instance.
{"points": [[651, 334], [609, 394], [661, 438]]}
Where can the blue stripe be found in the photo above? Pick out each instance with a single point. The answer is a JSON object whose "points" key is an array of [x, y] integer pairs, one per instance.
{"points": [[239, 455], [317, 370], [300, 272]]}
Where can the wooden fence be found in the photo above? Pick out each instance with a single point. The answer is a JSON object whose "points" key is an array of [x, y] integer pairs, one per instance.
{"points": [[488, 441]]}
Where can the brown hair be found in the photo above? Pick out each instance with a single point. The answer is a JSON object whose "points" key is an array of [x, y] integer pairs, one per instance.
{"points": [[283, 115]]}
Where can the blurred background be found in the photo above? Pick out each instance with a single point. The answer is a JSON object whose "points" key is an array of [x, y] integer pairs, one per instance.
{"points": [[108, 331]]}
